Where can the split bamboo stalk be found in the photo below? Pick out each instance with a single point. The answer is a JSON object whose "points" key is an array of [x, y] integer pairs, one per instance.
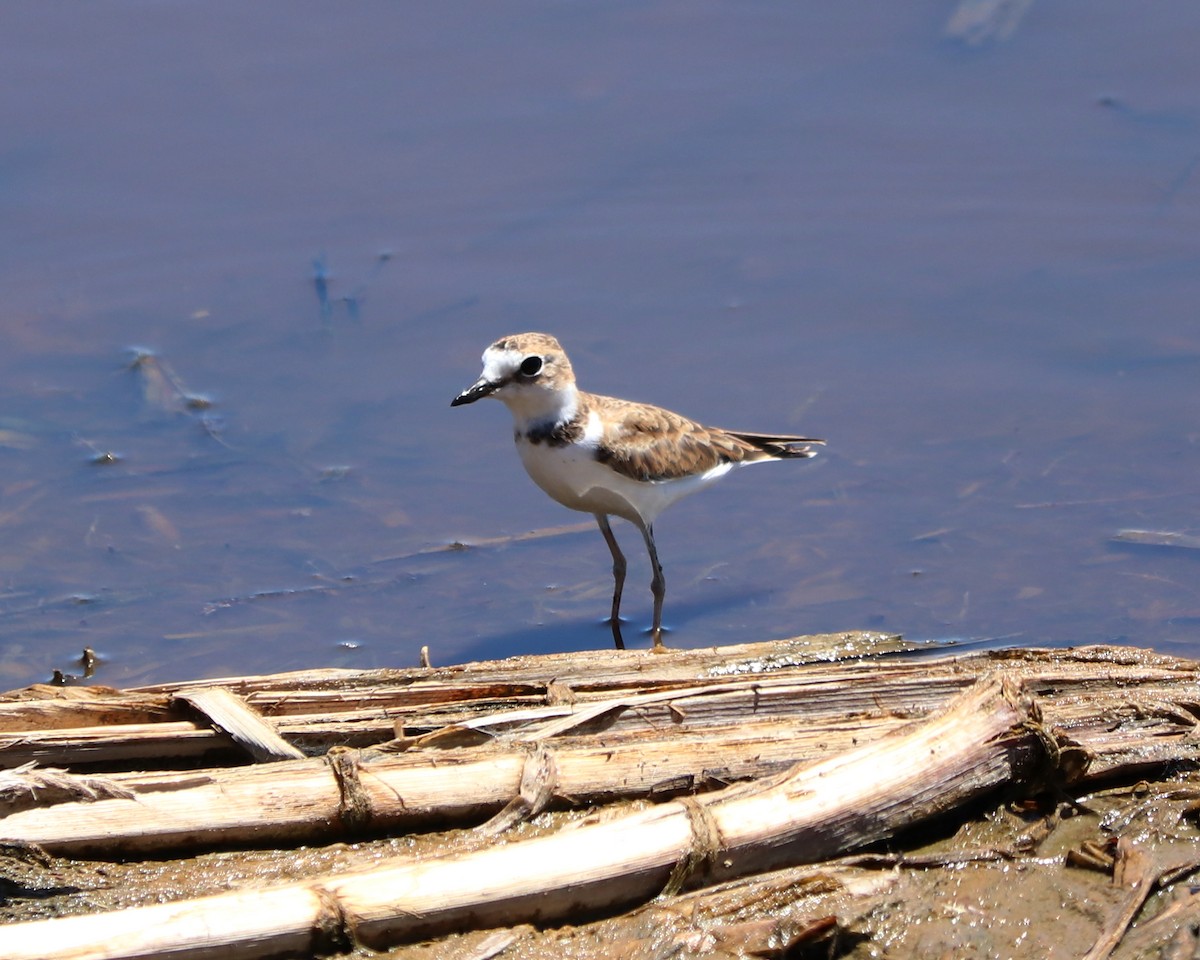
{"points": [[43, 707], [349, 794], [314, 713], [591, 669], [1130, 718], [986, 737], [710, 702], [1078, 695], [110, 744]]}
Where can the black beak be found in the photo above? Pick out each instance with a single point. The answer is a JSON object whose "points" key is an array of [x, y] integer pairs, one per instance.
{"points": [[476, 391]]}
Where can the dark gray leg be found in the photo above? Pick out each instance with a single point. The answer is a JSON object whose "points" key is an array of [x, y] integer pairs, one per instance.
{"points": [[618, 578], [658, 586]]}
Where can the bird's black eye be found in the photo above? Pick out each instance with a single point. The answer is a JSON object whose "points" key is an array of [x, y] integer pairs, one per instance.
{"points": [[531, 366]]}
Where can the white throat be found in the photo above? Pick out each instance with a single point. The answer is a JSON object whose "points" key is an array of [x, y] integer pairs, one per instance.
{"points": [[536, 405]]}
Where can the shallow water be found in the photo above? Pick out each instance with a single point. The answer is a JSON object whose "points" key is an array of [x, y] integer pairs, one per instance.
{"points": [[973, 268]]}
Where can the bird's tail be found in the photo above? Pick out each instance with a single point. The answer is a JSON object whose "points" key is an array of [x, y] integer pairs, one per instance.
{"points": [[779, 447]]}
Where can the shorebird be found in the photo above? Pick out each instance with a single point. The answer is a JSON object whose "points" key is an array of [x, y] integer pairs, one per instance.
{"points": [[611, 457]]}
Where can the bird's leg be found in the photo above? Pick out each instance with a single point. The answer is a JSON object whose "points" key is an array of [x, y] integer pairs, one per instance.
{"points": [[618, 578], [658, 586]]}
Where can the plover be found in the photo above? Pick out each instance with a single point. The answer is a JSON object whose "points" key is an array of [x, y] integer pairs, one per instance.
{"points": [[611, 457]]}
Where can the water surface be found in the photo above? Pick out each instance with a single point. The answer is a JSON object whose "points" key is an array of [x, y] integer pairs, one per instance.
{"points": [[972, 267]]}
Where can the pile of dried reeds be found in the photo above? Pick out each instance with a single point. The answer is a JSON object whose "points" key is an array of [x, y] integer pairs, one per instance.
{"points": [[755, 757]]}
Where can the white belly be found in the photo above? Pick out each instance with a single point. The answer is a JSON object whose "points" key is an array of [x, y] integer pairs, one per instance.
{"points": [[572, 476]]}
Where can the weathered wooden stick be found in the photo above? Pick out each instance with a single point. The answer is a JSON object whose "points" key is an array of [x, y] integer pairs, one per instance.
{"points": [[986, 737]]}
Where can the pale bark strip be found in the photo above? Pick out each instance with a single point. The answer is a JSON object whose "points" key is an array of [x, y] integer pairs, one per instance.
{"points": [[539, 778], [29, 787], [231, 714], [987, 737]]}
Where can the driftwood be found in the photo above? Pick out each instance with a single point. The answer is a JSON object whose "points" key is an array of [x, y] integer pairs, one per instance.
{"points": [[602, 747], [317, 709], [741, 759], [987, 737], [347, 794]]}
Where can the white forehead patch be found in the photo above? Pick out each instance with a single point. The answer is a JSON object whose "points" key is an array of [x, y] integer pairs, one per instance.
{"points": [[500, 364]]}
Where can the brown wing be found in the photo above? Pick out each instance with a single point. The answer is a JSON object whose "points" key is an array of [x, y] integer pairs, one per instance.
{"points": [[649, 443]]}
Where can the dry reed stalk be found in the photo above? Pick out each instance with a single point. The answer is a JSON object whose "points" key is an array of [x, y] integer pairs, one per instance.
{"points": [[1124, 715], [588, 669], [986, 737], [1086, 692], [348, 793]]}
